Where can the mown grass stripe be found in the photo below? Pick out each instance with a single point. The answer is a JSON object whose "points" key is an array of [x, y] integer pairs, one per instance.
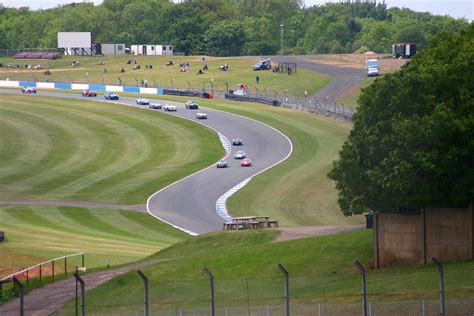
{"points": [[13, 142], [85, 148]]}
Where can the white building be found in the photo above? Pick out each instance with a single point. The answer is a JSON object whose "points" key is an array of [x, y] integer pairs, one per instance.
{"points": [[76, 43], [152, 50], [113, 49]]}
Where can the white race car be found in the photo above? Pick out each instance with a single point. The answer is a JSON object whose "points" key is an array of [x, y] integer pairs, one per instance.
{"points": [[170, 107], [143, 101], [201, 116]]}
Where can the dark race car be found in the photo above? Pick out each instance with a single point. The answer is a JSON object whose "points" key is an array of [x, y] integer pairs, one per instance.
{"points": [[111, 96], [155, 106], [191, 105], [237, 141], [88, 93], [28, 90], [264, 64]]}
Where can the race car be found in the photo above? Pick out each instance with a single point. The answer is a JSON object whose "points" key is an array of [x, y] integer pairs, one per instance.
{"points": [[111, 96], [28, 90], [142, 101], [246, 162], [263, 64], [170, 107], [155, 106], [222, 164], [237, 141], [201, 116], [191, 105], [88, 93], [239, 155]]}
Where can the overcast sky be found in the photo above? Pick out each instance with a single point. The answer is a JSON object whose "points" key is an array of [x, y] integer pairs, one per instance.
{"points": [[455, 8]]}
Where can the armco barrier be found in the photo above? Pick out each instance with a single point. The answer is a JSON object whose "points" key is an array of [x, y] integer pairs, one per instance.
{"points": [[188, 93], [242, 98], [78, 86]]}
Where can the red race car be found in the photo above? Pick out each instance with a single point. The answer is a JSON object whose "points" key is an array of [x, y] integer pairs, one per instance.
{"points": [[88, 93], [246, 162]]}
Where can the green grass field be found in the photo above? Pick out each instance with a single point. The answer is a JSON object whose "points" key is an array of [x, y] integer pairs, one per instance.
{"points": [[240, 72], [244, 265], [106, 236], [73, 150], [296, 192], [352, 96]]}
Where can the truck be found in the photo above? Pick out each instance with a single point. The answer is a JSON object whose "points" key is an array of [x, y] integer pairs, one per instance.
{"points": [[372, 67]]}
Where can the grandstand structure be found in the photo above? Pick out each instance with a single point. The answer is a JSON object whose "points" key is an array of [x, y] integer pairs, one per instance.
{"points": [[37, 55]]}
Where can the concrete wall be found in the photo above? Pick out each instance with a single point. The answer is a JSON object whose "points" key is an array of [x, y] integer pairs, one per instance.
{"points": [[401, 239]]}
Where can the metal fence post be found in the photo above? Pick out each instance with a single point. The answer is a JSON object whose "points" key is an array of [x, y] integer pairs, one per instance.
{"points": [[83, 294], [145, 283], [442, 306], [20, 287], [287, 288], [211, 280], [364, 288]]}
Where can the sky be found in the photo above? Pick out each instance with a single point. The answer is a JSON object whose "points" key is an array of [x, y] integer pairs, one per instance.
{"points": [[454, 8]]}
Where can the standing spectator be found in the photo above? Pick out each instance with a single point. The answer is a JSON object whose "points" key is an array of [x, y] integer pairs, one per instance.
{"points": [[258, 79]]}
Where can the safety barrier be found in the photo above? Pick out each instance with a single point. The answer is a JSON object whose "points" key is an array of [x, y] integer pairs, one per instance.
{"points": [[79, 86]]}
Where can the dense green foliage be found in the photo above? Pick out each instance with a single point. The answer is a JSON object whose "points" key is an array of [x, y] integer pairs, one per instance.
{"points": [[412, 144], [227, 27]]}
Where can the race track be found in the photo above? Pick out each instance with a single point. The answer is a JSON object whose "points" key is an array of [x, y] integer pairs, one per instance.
{"points": [[190, 204], [343, 78]]}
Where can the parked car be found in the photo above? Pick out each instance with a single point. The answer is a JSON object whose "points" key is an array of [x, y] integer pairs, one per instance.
{"points": [[201, 116], [237, 141], [263, 64], [88, 93], [142, 101], [246, 162], [155, 106], [191, 105], [170, 107], [28, 90], [239, 155], [111, 96], [222, 164]]}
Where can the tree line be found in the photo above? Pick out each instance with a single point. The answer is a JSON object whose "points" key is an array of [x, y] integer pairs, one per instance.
{"points": [[228, 27], [412, 142]]}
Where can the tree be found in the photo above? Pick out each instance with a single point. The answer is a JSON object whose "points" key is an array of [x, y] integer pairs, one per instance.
{"points": [[225, 39], [411, 34], [261, 37], [412, 144]]}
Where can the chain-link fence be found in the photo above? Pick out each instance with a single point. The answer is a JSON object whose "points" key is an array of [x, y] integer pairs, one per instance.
{"points": [[404, 292]]}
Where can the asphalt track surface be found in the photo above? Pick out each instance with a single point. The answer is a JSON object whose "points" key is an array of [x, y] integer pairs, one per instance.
{"points": [[343, 79], [190, 204]]}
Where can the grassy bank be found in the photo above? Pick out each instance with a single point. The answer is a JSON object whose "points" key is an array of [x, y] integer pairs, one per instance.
{"points": [[73, 150], [107, 237], [244, 265], [240, 72]]}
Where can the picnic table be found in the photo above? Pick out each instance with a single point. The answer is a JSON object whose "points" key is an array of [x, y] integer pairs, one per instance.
{"points": [[250, 222]]}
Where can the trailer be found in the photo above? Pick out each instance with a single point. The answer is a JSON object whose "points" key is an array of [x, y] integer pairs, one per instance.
{"points": [[403, 50]]}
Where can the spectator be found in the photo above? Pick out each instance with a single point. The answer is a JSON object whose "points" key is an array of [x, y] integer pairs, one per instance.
{"points": [[257, 79]]}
